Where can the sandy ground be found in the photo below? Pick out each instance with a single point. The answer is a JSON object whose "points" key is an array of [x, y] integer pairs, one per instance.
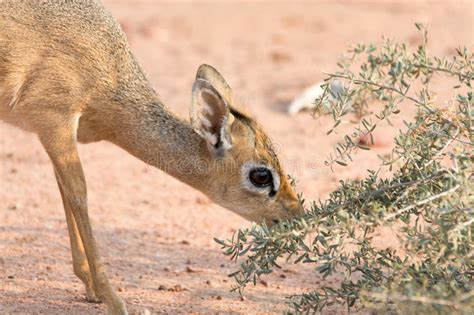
{"points": [[153, 230]]}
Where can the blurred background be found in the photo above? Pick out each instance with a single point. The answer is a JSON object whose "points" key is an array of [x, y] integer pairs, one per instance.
{"points": [[155, 231]]}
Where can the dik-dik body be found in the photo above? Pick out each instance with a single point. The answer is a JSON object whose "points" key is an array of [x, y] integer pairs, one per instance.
{"points": [[67, 74]]}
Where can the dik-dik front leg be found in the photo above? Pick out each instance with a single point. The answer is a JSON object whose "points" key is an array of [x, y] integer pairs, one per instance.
{"points": [[79, 259], [60, 143]]}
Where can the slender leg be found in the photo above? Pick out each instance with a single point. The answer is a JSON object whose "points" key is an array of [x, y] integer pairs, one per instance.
{"points": [[60, 144], [79, 259]]}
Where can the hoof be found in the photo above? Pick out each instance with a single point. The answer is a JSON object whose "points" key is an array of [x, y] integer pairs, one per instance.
{"points": [[92, 298]]}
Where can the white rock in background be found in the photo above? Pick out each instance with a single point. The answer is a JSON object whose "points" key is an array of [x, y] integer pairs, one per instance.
{"points": [[306, 100]]}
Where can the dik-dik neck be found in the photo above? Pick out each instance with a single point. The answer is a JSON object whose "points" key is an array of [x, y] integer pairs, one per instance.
{"points": [[159, 138]]}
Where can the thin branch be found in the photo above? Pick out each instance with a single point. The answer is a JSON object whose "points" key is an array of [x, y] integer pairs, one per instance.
{"points": [[468, 76], [448, 143], [382, 190], [385, 87], [421, 202], [458, 140], [463, 225]]}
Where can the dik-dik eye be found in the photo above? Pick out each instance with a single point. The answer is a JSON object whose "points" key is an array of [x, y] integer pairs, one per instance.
{"points": [[261, 177]]}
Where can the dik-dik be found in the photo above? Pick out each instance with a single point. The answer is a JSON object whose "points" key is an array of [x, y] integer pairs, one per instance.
{"points": [[67, 74]]}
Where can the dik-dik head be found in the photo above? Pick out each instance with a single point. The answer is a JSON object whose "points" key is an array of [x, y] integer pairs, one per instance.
{"points": [[246, 175]]}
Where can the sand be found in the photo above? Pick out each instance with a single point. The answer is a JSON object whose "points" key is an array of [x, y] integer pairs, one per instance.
{"points": [[155, 232]]}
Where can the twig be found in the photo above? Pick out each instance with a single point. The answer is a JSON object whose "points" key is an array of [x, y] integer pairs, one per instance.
{"points": [[421, 202], [463, 225], [377, 192], [360, 81], [458, 140], [443, 149], [469, 76]]}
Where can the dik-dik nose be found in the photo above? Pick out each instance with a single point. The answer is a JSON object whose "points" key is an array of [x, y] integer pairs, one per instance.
{"points": [[293, 207]]}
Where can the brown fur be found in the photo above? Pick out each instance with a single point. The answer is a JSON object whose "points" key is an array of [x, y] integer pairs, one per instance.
{"points": [[67, 74]]}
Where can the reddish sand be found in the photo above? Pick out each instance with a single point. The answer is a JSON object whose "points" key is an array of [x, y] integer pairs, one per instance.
{"points": [[153, 230]]}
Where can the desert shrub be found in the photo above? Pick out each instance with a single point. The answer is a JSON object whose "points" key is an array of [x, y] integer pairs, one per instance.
{"points": [[428, 199]]}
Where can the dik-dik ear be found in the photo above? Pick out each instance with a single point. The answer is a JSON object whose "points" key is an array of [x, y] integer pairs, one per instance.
{"points": [[210, 74], [210, 116]]}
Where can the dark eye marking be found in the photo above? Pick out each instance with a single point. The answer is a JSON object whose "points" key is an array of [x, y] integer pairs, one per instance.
{"points": [[261, 177]]}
